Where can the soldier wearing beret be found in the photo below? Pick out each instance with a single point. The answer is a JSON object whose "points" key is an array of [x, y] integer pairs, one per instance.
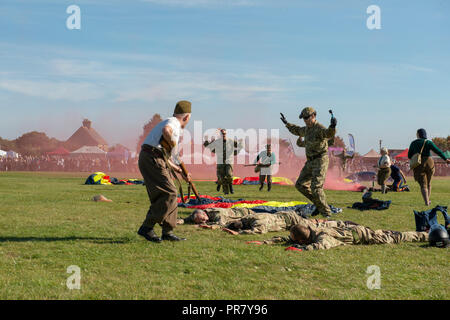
{"points": [[312, 177], [158, 170]]}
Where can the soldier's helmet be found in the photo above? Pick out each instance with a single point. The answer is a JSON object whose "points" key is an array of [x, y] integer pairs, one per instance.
{"points": [[306, 112], [438, 237]]}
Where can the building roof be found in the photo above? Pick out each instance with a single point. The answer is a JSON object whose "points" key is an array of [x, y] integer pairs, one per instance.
{"points": [[372, 154], [86, 136], [88, 150]]}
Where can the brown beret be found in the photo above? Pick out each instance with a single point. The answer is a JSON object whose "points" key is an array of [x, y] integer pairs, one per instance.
{"points": [[182, 107]]}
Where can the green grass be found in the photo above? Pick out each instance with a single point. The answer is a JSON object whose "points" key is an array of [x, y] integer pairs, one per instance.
{"points": [[47, 223]]}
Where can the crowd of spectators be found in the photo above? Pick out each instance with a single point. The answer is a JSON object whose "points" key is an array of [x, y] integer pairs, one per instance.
{"points": [[105, 164], [68, 164]]}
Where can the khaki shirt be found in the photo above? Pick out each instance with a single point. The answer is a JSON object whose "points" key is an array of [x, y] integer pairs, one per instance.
{"points": [[316, 137]]}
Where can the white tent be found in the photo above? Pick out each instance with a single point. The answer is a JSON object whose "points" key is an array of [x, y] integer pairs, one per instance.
{"points": [[3, 153], [92, 150], [12, 154]]}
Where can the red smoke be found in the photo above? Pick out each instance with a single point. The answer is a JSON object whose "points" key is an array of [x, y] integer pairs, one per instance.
{"points": [[334, 182]]}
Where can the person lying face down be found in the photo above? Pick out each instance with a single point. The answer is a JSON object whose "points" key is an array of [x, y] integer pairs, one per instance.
{"points": [[348, 233], [272, 222]]}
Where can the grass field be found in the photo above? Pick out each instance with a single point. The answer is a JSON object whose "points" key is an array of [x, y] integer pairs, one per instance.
{"points": [[47, 223]]}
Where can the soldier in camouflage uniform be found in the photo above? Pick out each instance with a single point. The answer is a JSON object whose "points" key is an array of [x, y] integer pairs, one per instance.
{"points": [[216, 216], [251, 222], [315, 238], [312, 177], [224, 149], [273, 222]]}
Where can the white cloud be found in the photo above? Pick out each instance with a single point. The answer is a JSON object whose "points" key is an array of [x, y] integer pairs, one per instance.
{"points": [[71, 91]]}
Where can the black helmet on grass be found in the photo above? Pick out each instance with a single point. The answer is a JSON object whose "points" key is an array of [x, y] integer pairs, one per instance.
{"points": [[438, 237]]}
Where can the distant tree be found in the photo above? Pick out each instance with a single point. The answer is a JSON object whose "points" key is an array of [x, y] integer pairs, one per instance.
{"points": [[442, 143], [147, 128], [339, 142], [35, 143], [7, 145]]}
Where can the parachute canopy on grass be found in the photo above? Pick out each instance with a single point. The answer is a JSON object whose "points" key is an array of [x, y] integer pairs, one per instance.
{"points": [[103, 179], [255, 181]]}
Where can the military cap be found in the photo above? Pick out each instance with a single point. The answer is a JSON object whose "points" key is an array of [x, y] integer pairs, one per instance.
{"points": [[182, 107], [306, 112]]}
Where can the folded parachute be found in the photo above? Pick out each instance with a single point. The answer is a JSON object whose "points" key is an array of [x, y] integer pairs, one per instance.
{"points": [[258, 206], [255, 181], [101, 178]]}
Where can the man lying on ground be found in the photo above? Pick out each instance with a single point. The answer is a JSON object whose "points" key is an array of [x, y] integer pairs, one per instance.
{"points": [[215, 216], [245, 221], [346, 233]]}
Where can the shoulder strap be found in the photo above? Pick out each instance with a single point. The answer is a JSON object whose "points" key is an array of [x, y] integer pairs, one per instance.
{"points": [[423, 146]]}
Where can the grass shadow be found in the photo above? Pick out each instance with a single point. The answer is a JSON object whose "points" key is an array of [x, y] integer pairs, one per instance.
{"points": [[71, 238]]}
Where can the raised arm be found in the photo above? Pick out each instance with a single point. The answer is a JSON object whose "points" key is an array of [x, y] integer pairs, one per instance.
{"points": [[438, 151]]}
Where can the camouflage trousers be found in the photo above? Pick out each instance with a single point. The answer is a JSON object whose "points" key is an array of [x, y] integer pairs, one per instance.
{"points": [[364, 235], [225, 176], [270, 222], [311, 180]]}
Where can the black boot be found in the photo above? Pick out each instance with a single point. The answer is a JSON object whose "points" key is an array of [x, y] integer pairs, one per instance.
{"points": [[231, 188], [171, 237], [218, 187], [149, 234], [269, 186], [261, 187]]}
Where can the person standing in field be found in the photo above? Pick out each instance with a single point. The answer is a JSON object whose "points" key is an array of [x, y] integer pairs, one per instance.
{"points": [[224, 149], [425, 171], [158, 171], [312, 177], [384, 169], [266, 160]]}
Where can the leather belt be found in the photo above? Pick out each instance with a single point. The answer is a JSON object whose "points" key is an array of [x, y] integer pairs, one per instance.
{"points": [[153, 151]]}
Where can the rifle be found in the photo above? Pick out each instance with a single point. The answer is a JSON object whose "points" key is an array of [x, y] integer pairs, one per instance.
{"points": [[168, 148], [258, 166]]}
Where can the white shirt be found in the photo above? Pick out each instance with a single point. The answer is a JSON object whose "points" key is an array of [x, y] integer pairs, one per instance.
{"points": [[384, 162], [265, 159], [155, 135]]}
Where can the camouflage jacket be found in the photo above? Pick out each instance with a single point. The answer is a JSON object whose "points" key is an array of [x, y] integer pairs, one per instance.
{"points": [[222, 216], [316, 137], [312, 223]]}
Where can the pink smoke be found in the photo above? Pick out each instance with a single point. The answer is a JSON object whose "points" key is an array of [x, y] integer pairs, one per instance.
{"points": [[334, 181]]}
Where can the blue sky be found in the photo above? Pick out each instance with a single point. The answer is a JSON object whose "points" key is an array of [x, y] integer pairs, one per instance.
{"points": [[240, 62]]}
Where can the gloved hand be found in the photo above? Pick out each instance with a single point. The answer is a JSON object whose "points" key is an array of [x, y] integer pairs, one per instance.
{"points": [[333, 122], [283, 118]]}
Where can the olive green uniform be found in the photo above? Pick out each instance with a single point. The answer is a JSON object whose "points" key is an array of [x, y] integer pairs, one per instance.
{"points": [[273, 222], [224, 150], [326, 237], [222, 216], [312, 177]]}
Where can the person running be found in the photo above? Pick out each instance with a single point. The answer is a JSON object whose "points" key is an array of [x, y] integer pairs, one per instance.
{"points": [[425, 171]]}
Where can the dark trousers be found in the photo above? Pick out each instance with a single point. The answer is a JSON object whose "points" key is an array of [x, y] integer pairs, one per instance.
{"points": [[161, 192], [262, 178]]}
